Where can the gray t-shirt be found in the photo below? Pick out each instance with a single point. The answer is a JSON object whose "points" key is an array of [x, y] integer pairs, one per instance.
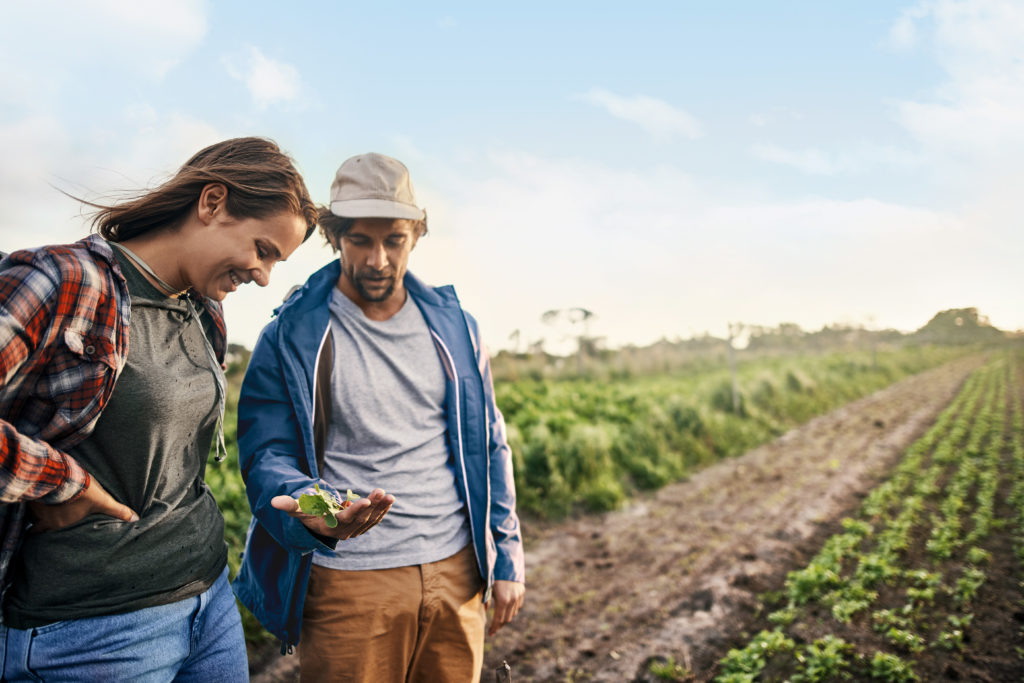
{"points": [[148, 450], [388, 430]]}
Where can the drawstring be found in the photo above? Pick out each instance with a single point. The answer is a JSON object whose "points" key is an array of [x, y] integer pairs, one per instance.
{"points": [[170, 291], [221, 448]]}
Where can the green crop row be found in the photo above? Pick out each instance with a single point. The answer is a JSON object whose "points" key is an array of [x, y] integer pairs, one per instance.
{"points": [[916, 597]]}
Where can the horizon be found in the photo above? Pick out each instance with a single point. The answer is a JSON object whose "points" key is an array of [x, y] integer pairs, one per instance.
{"points": [[671, 168]]}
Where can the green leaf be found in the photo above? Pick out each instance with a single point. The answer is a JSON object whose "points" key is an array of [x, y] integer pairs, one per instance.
{"points": [[321, 504]]}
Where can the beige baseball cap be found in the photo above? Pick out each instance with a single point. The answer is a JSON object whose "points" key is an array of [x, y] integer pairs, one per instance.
{"points": [[374, 186]]}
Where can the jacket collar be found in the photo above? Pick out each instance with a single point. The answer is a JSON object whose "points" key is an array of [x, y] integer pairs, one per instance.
{"points": [[317, 291]]}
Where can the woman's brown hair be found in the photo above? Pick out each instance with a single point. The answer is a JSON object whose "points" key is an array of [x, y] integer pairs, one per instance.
{"points": [[261, 181]]}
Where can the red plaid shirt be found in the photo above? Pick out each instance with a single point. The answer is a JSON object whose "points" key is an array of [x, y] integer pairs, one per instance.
{"points": [[64, 316]]}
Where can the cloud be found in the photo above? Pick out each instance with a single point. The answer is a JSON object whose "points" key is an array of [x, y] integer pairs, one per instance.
{"points": [[904, 34], [854, 159], [774, 115], [812, 161], [269, 81], [654, 254], [148, 21], [148, 37], [160, 141], [42, 155], [657, 117], [977, 114]]}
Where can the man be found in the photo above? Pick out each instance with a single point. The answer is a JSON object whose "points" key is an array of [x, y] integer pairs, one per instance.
{"points": [[368, 378]]}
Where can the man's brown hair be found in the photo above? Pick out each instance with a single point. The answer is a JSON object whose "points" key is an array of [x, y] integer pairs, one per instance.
{"points": [[333, 227]]}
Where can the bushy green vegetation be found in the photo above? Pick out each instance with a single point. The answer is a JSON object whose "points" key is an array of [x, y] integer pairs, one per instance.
{"points": [[918, 542], [589, 445]]}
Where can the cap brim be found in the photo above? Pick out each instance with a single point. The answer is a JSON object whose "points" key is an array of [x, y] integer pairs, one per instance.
{"points": [[375, 208]]}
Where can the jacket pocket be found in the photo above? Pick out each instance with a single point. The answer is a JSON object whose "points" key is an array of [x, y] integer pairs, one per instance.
{"points": [[473, 418]]}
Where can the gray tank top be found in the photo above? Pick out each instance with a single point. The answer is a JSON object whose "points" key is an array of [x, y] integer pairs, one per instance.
{"points": [[149, 450], [388, 430]]}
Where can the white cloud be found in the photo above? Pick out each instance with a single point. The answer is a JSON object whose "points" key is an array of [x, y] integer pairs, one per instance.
{"points": [[269, 81], [774, 115], [903, 34], [154, 21], [148, 37], [654, 254], [812, 161], [34, 148], [977, 114], [657, 117], [852, 159], [43, 155], [160, 141], [60, 129]]}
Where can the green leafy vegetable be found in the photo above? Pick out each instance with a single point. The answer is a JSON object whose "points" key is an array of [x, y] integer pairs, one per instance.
{"points": [[325, 504]]}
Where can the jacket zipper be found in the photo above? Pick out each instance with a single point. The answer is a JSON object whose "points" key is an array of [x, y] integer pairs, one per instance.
{"points": [[287, 647], [316, 374], [449, 361]]}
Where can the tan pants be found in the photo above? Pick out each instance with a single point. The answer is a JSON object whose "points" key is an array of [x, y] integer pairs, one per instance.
{"points": [[418, 623]]}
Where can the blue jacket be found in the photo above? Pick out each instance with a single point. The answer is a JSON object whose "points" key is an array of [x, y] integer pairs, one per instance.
{"points": [[282, 425]]}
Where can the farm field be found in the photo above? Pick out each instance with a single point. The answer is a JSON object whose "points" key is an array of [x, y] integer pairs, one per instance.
{"points": [[588, 445], [923, 582], [595, 574], [679, 576]]}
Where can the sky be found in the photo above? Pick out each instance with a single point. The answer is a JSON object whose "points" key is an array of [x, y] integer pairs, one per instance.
{"points": [[672, 167]]}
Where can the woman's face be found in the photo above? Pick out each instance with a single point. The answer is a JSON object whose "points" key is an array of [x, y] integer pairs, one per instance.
{"points": [[235, 251]]}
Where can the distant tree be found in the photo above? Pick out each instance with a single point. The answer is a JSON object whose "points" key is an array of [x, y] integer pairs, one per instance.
{"points": [[515, 338], [579, 319], [958, 326]]}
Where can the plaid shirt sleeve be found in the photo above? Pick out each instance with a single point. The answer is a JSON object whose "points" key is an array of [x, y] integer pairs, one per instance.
{"points": [[30, 469]]}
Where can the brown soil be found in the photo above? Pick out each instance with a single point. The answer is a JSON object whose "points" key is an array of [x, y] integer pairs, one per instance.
{"points": [[680, 574]]}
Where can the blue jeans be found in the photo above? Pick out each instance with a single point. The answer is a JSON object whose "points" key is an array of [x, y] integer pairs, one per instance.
{"points": [[198, 639]]}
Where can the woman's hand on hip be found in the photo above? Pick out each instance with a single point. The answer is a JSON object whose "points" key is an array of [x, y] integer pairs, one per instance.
{"points": [[94, 500]]}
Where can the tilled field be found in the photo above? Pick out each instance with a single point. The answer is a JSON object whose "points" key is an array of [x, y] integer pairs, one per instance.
{"points": [[681, 575]]}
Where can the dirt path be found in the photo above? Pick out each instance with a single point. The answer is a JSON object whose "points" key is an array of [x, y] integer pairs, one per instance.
{"points": [[677, 574]]}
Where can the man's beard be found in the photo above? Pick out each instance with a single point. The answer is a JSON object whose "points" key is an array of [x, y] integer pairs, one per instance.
{"points": [[380, 295]]}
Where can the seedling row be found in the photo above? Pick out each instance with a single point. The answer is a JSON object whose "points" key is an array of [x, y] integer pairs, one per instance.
{"points": [[893, 595]]}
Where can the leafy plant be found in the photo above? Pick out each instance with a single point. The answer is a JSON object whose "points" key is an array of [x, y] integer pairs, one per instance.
{"points": [[668, 670], [887, 667], [823, 659], [967, 585]]}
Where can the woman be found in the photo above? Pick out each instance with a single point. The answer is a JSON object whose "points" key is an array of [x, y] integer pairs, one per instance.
{"points": [[122, 574]]}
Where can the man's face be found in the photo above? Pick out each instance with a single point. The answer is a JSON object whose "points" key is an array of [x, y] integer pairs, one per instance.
{"points": [[374, 257]]}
